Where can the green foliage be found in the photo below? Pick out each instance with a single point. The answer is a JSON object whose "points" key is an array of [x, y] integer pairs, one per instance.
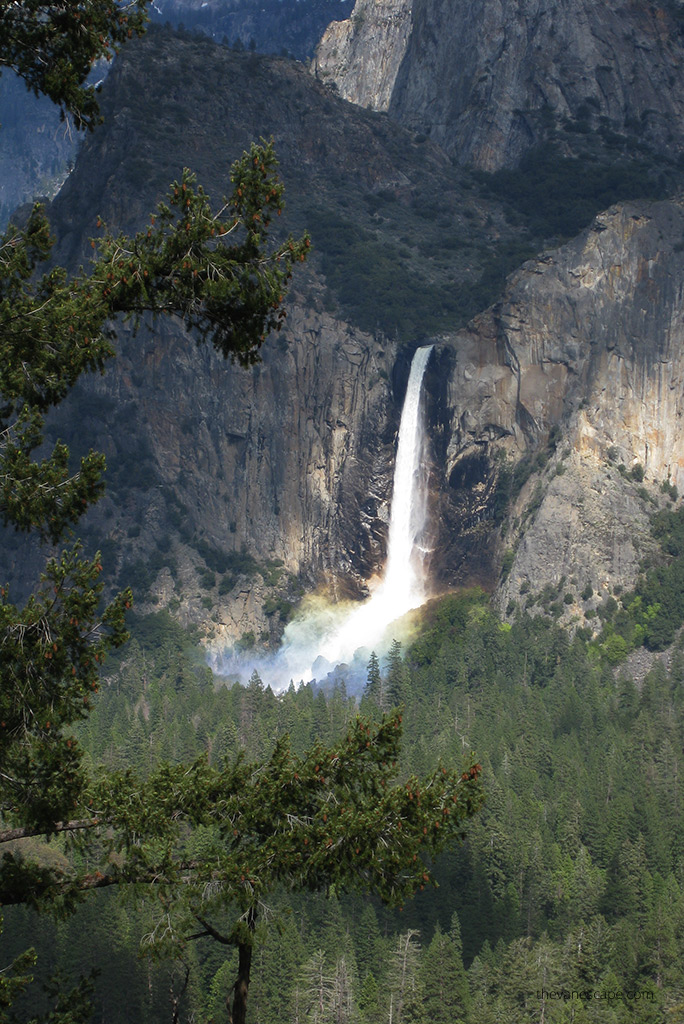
{"points": [[576, 846], [382, 285], [670, 489], [584, 187], [54, 329], [281, 605], [230, 565], [210, 268], [217, 273], [362, 271], [54, 46], [653, 611], [52, 651], [15, 979], [303, 821]]}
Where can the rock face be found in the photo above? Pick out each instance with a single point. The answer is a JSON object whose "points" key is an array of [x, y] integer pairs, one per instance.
{"points": [[229, 489], [37, 148], [285, 466], [581, 363], [483, 80], [587, 537], [363, 54]]}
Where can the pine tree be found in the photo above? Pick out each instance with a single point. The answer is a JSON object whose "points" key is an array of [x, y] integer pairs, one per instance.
{"points": [[442, 977], [317, 986], [53, 47], [369, 944], [208, 841], [369, 1001], [374, 686], [396, 676], [217, 272]]}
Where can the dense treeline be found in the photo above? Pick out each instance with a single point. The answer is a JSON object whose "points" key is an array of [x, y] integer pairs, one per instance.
{"points": [[570, 880]]}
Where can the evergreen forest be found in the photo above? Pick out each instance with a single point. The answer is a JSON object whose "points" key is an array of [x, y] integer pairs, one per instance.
{"points": [[565, 902], [492, 831]]}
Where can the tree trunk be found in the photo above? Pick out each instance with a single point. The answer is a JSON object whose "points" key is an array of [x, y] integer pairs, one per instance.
{"points": [[238, 1014]]}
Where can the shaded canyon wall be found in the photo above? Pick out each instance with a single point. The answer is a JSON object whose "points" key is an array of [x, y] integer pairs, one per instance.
{"points": [[483, 80]]}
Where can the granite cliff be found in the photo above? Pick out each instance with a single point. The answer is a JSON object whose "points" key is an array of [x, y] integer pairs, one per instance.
{"points": [[231, 492], [579, 367], [488, 81]]}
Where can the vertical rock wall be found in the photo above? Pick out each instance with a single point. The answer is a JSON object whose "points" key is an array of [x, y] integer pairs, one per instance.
{"points": [[363, 54], [581, 364], [477, 77]]}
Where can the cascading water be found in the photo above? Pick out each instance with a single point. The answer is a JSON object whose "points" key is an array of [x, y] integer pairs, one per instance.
{"points": [[317, 642], [403, 576], [403, 586]]}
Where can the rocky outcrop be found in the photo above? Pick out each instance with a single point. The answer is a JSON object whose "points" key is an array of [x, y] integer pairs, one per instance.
{"points": [[363, 54], [255, 476], [580, 366], [581, 530], [486, 80]]}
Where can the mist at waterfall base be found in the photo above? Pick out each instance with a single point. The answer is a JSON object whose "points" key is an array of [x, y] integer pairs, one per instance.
{"points": [[329, 643]]}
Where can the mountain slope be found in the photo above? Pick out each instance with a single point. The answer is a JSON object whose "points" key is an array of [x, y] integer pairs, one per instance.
{"points": [[217, 473], [578, 370], [231, 490]]}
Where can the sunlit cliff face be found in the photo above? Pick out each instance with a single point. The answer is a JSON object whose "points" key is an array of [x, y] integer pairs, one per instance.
{"points": [[589, 339]]}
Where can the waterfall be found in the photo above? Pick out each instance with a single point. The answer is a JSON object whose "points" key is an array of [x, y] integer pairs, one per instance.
{"points": [[409, 496], [402, 586], [324, 637]]}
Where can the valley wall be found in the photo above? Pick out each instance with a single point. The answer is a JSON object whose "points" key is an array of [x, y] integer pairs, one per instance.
{"points": [[486, 80], [580, 366], [231, 492]]}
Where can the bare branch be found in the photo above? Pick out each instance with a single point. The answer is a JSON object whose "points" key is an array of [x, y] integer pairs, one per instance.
{"points": [[210, 930], [10, 834]]}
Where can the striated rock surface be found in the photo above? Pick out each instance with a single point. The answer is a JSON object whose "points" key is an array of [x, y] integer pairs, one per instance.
{"points": [[230, 490], [486, 80], [363, 54], [266, 474], [587, 536], [580, 366]]}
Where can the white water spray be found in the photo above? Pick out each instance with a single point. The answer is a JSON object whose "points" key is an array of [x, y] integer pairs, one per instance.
{"points": [[404, 581], [402, 587], [314, 644]]}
